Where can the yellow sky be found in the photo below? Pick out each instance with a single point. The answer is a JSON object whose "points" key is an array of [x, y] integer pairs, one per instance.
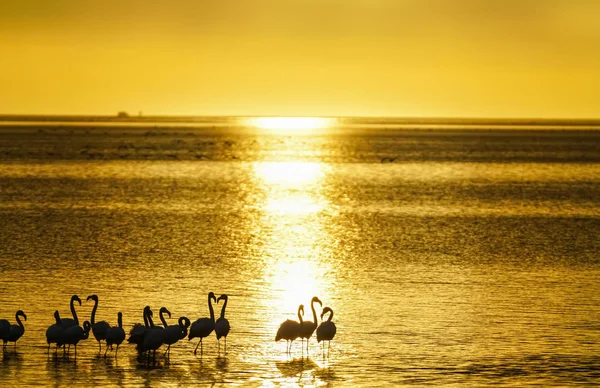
{"points": [[470, 58]]}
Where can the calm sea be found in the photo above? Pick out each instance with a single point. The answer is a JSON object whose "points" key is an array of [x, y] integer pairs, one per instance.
{"points": [[452, 255]]}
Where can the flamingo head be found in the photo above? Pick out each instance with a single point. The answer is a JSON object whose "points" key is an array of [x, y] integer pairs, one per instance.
{"points": [[75, 298], [317, 300], [57, 316], [163, 310], [147, 311], [211, 295], [21, 313], [222, 297], [92, 297], [301, 309], [325, 311], [184, 322]]}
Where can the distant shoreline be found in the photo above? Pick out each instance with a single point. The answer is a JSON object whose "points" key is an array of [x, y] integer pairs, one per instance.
{"points": [[342, 120]]}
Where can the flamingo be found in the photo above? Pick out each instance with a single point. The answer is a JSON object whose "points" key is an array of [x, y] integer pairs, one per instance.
{"points": [[54, 331], [326, 330], [307, 328], [290, 330], [73, 334], [222, 324], [75, 321], [16, 331], [153, 338], [115, 335], [202, 327], [99, 329], [173, 333], [136, 335]]}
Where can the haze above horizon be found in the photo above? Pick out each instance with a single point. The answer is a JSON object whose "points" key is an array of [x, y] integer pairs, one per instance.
{"points": [[390, 58]]}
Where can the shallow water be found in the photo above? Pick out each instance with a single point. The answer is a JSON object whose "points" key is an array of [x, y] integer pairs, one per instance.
{"points": [[449, 257]]}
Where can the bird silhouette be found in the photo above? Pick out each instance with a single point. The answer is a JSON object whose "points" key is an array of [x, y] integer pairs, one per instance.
{"points": [[55, 331], [115, 335], [99, 329], [173, 333], [202, 327], [290, 330], [73, 334], [307, 328], [75, 321], [153, 337], [16, 331], [136, 334], [326, 330], [222, 324]]}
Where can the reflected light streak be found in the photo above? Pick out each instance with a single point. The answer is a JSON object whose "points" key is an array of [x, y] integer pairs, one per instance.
{"points": [[289, 174], [290, 123]]}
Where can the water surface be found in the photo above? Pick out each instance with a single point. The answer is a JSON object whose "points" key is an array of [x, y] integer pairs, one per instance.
{"points": [[450, 257]]}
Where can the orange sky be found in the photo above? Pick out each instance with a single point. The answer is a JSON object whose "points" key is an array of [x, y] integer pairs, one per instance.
{"points": [[470, 58]]}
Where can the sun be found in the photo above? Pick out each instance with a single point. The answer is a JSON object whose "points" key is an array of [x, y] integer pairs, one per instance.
{"points": [[290, 123]]}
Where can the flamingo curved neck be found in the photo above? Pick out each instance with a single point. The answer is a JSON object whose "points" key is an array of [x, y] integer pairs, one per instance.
{"points": [[162, 319], [18, 320], [146, 318], [150, 322], [312, 307], [57, 317], [210, 308], [330, 316], [120, 320], [223, 309], [94, 310], [300, 316], [74, 312]]}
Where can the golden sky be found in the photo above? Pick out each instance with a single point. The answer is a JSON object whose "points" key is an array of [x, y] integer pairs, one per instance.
{"points": [[468, 58]]}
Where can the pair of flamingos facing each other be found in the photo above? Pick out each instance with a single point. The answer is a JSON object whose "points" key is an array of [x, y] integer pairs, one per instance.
{"points": [[291, 330], [12, 333], [147, 337]]}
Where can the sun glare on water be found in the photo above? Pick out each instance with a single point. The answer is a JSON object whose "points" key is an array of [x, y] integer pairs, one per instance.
{"points": [[290, 123]]}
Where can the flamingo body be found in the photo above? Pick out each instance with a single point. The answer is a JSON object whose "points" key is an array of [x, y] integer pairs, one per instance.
{"points": [[15, 331], [115, 335], [99, 329], [202, 327]]}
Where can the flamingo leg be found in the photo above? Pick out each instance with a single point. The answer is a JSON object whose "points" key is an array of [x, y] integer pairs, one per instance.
{"points": [[225, 344]]}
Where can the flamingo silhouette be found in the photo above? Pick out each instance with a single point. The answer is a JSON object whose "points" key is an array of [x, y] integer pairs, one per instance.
{"points": [[75, 321], [99, 329], [154, 337], [73, 334], [173, 333], [16, 331], [115, 335], [222, 324], [55, 331], [307, 328], [136, 334], [326, 330], [202, 327], [290, 330]]}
